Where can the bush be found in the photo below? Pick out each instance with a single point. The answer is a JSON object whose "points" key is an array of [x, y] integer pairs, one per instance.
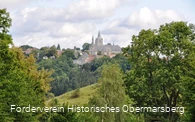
{"points": [[75, 94], [54, 102]]}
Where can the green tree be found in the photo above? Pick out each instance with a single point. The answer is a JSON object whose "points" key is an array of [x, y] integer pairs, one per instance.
{"points": [[69, 53], [52, 51], [25, 47], [20, 80], [58, 47], [5, 21], [96, 63], [122, 61], [160, 62], [21, 83], [85, 46], [111, 93]]}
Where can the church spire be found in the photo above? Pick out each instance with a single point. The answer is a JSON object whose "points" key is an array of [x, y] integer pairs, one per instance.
{"points": [[99, 35], [92, 40]]}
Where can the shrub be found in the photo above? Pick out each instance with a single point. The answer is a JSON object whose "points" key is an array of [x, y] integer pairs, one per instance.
{"points": [[75, 94]]}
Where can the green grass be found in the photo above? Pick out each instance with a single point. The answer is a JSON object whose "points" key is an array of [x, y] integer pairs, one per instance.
{"points": [[85, 93]]}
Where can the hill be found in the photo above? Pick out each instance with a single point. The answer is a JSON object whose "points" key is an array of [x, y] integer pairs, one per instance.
{"points": [[69, 97]]}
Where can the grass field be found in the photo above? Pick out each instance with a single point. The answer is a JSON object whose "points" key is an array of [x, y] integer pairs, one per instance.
{"points": [[84, 94]]}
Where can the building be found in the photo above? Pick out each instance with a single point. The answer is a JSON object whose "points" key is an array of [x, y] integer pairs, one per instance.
{"points": [[84, 58], [98, 48], [28, 51]]}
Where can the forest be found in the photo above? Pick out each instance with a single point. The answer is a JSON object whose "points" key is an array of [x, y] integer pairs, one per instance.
{"points": [[156, 70]]}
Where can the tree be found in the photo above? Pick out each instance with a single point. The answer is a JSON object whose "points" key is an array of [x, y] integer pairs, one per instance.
{"points": [[5, 21], [122, 61], [52, 51], [160, 63], [69, 53], [58, 47], [21, 83], [96, 63], [85, 46], [111, 93], [20, 80], [25, 47]]}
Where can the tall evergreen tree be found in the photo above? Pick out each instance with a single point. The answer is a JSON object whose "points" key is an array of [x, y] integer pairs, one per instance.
{"points": [[58, 47]]}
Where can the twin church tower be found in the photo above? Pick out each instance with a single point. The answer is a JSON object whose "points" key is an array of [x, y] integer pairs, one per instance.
{"points": [[98, 48]]}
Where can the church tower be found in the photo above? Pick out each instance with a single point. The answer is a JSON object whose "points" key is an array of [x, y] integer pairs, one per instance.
{"points": [[99, 40], [99, 35], [92, 41]]}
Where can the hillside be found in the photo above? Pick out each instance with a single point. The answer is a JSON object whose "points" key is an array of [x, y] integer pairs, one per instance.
{"points": [[84, 94]]}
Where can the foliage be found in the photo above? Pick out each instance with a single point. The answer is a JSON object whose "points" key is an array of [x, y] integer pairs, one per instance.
{"points": [[21, 83], [96, 63], [111, 93], [49, 95], [25, 47], [99, 53], [24, 80], [58, 47], [75, 94], [47, 51], [67, 76], [61, 116], [122, 61], [5, 21], [85, 46], [68, 53], [161, 63]]}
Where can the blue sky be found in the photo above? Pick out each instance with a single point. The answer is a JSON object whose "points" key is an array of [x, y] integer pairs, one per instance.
{"points": [[73, 22]]}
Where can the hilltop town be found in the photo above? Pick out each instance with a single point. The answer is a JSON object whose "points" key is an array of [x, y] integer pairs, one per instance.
{"points": [[96, 49]]}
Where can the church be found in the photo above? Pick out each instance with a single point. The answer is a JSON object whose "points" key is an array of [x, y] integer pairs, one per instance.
{"points": [[98, 48]]}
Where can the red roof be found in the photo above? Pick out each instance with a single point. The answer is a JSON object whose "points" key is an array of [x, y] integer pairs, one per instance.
{"points": [[89, 58]]}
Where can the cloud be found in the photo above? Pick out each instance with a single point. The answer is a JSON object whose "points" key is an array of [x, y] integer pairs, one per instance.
{"points": [[121, 30], [38, 19], [12, 4], [72, 29], [95, 9], [42, 39], [66, 34], [146, 18], [119, 35], [75, 24], [92, 9], [35, 20]]}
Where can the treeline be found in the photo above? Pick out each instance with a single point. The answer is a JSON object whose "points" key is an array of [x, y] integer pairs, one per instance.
{"points": [[68, 76]]}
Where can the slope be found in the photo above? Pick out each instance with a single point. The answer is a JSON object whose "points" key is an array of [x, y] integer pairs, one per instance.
{"points": [[84, 94]]}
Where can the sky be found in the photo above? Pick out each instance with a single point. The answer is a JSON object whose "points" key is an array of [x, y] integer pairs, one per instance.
{"points": [[73, 22]]}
